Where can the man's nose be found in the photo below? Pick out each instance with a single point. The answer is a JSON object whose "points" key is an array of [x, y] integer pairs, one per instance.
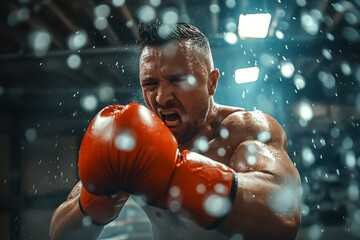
{"points": [[164, 95]]}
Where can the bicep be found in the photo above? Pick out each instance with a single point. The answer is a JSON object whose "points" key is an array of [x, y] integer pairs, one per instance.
{"points": [[262, 195], [255, 156], [264, 153], [75, 192]]}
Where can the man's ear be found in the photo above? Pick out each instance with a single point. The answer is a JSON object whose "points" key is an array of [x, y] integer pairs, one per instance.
{"points": [[213, 80]]}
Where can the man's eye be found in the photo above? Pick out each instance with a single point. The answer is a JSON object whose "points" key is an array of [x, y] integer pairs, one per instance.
{"points": [[149, 84], [178, 79]]}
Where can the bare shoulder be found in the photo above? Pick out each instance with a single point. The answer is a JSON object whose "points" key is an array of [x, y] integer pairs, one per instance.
{"points": [[254, 125], [262, 131]]}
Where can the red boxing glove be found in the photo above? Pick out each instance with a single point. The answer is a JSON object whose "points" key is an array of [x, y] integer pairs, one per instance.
{"points": [[102, 210], [130, 148]]}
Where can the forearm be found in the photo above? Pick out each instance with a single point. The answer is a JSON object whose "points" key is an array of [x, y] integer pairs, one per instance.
{"points": [[67, 223], [254, 214]]}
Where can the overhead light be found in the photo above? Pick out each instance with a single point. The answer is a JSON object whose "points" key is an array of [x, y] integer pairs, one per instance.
{"points": [[244, 75], [254, 25]]}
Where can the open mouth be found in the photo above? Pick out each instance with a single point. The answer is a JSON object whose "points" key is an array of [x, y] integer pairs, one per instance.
{"points": [[170, 118]]}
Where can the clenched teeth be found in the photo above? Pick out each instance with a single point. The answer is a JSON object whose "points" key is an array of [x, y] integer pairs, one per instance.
{"points": [[171, 123]]}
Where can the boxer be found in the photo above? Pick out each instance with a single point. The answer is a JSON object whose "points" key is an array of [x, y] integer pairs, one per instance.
{"points": [[198, 169]]}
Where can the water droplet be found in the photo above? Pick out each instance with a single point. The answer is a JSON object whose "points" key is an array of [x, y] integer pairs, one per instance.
{"points": [[174, 206], [287, 69], [251, 159], [217, 206], [347, 143], [327, 54], [308, 156], [322, 142], [77, 40], [106, 93], [279, 34], [335, 132], [305, 111], [309, 23], [214, 8], [224, 133], [283, 201], [305, 209], [129, 23], [251, 148], [230, 37], [201, 188], [314, 232], [100, 23], [86, 221], [170, 16], [146, 13], [118, 3], [231, 25], [351, 34], [163, 31], [264, 136], [350, 159], [89, 102], [174, 191], [353, 192], [30, 134], [345, 68], [220, 188], [155, 3], [191, 80], [102, 10], [17, 16], [330, 36], [73, 61], [221, 152], [301, 3], [40, 42], [299, 82], [230, 3], [202, 144], [125, 141]]}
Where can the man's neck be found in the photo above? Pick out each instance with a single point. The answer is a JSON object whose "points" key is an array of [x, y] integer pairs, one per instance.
{"points": [[211, 123]]}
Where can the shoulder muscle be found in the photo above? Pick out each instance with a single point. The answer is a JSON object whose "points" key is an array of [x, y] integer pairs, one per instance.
{"points": [[254, 125]]}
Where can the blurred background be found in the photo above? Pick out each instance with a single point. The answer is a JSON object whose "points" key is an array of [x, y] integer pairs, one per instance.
{"points": [[62, 61]]}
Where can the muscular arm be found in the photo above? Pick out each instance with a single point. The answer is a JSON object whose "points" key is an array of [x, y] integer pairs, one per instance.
{"points": [[67, 221], [267, 202]]}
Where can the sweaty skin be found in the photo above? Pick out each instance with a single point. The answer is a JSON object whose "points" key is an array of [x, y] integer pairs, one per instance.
{"points": [[264, 169], [235, 138]]}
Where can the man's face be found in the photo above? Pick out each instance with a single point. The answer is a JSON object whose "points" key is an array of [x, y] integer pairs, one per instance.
{"points": [[174, 81]]}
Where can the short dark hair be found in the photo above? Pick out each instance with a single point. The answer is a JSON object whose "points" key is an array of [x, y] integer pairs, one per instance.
{"points": [[156, 33]]}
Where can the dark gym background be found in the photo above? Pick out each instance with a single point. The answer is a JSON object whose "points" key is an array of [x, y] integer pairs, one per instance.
{"points": [[62, 61]]}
